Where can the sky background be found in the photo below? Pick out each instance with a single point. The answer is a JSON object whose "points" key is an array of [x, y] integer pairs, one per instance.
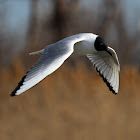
{"points": [[18, 11]]}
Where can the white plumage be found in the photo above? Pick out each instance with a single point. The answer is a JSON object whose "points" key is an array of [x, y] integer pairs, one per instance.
{"points": [[103, 58]]}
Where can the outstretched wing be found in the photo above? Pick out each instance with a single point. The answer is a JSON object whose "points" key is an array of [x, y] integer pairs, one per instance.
{"points": [[108, 67], [52, 58]]}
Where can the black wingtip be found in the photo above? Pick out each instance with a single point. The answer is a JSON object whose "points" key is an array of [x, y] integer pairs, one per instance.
{"points": [[18, 86], [107, 83], [13, 94]]}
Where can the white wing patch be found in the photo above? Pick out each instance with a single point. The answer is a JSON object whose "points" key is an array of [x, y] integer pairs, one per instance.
{"points": [[108, 67]]}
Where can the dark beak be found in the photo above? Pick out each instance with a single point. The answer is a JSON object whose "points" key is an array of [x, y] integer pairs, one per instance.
{"points": [[107, 50]]}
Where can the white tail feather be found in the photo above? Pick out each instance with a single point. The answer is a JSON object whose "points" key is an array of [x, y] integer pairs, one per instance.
{"points": [[37, 52]]}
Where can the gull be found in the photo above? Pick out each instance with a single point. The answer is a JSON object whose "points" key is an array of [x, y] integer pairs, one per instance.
{"points": [[103, 57]]}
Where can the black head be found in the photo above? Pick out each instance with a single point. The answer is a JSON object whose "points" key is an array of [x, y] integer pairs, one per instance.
{"points": [[100, 45]]}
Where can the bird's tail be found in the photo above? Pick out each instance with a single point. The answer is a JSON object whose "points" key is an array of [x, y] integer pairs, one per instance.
{"points": [[37, 52]]}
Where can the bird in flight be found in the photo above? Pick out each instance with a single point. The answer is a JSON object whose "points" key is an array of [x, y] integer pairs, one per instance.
{"points": [[103, 57]]}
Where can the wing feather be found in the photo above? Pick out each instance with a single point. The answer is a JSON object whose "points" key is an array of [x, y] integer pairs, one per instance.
{"points": [[108, 67]]}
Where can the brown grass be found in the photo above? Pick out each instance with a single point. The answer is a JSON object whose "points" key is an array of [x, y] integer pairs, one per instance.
{"points": [[71, 104]]}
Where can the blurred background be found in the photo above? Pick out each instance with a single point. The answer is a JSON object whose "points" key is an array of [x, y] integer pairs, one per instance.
{"points": [[73, 103]]}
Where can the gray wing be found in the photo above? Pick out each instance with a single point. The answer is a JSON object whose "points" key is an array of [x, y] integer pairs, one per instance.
{"points": [[51, 59], [108, 67]]}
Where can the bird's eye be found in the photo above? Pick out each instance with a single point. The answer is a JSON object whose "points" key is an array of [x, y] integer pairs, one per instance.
{"points": [[102, 46]]}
